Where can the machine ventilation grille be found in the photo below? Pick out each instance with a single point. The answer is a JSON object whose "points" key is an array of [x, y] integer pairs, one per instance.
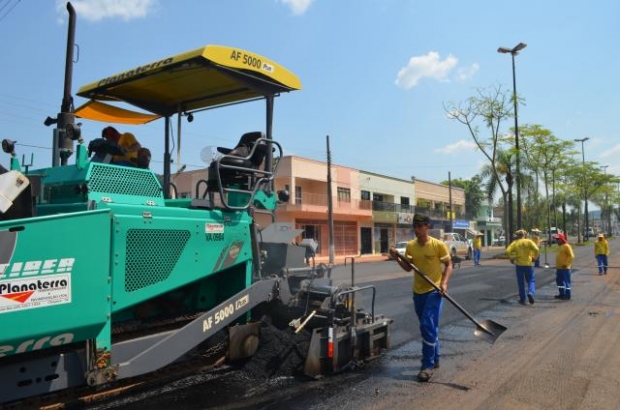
{"points": [[124, 181], [152, 255], [65, 193]]}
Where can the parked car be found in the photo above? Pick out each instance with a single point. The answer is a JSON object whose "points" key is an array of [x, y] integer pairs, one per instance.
{"points": [[553, 232], [500, 241], [458, 245], [401, 246]]}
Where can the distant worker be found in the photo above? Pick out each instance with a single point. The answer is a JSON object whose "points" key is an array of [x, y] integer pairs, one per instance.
{"points": [[563, 261], [536, 240], [601, 250], [477, 247], [428, 254], [522, 253], [127, 142]]}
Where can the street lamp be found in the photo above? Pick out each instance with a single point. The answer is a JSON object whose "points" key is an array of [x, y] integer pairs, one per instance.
{"points": [[513, 52], [608, 210], [585, 189]]}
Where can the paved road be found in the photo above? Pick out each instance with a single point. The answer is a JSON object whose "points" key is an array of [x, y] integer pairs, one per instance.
{"points": [[487, 291]]}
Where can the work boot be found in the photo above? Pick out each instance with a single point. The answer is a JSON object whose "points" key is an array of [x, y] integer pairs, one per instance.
{"points": [[425, 375], [522, 302], [531, 299]]}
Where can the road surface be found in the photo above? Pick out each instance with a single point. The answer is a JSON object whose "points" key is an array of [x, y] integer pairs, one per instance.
{"points": [[554, 355]]}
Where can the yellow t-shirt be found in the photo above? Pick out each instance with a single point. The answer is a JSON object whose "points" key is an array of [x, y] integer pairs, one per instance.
{"points": [[429, 259], [131, 145], [523, 251], [601, 247], [478, 242], [564, 257]]}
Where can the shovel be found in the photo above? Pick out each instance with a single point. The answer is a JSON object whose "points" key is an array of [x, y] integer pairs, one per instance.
{"points": [[486, 330]]}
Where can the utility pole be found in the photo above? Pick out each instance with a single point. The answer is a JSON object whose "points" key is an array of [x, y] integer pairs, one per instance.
{"points": [[330, 205], [585, 190], [450, 199], [513, 52]]}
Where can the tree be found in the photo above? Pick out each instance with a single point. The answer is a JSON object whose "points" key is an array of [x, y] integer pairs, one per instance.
{"points": [[474, 196], [545, 154], [490, 108]]}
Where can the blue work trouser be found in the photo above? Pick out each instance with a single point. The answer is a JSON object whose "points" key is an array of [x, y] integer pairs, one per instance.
{"points": [[526, 274], [602, 263], [562, 279], [428, 309], [476, 256]]}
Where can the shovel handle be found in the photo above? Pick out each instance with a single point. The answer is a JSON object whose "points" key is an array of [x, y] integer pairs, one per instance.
{"points": [[409, 266]]}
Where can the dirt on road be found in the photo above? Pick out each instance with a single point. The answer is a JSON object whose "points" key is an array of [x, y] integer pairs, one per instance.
{"points": [[554, 355]]}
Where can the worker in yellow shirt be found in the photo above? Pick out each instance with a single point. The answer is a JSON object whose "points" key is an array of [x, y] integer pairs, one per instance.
{"points": [[477, 247], [536, 240], [563, 261], [601, 250], [522, 253]]}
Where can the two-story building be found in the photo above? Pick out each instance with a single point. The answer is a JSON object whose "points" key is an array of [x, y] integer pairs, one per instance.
{"points": [[370, 212]]}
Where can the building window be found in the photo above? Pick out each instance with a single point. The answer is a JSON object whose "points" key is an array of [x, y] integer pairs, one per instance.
{"points": [[298, 195], [366, 195], [344, 194]]}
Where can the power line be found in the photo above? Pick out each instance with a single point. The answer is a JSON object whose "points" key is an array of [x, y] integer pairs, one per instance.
{"points": [[9, 10]]}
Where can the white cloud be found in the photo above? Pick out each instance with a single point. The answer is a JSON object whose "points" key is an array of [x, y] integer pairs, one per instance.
{"points": [[457, 147], [465, 74], [612, 152], [298, 7], [426, 66], [96, 10]]}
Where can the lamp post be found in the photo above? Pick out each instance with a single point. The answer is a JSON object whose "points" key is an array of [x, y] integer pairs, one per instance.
{"points": [[608, 210], [585, 189], [513, 52]]}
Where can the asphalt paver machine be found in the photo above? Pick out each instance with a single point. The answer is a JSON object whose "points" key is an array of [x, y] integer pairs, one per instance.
{"points": [[105, 276]]}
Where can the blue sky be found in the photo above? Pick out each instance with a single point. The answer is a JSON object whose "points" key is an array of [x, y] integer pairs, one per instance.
{"points": [[375, 73]]}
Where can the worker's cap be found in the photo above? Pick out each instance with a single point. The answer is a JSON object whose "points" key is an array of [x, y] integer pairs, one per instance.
{"points": [[600, 235], [110, 132], [560, 237], [421, 219], [479, 234], [521, 232], [536, 231]]}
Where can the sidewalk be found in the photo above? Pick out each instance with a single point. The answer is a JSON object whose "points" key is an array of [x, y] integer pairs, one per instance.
{"points": [[378, 257], [340, 260]]}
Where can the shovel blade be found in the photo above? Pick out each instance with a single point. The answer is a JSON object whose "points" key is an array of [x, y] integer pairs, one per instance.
{"points": [[489, 331]]}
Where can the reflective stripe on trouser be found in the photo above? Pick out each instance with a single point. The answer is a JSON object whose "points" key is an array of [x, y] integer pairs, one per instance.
{"points": [[562, 279], [526, 274], [602, 263], [428, 309]]}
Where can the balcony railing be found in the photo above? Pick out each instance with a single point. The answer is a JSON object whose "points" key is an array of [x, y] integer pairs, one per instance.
{"points": [[320, 200]]}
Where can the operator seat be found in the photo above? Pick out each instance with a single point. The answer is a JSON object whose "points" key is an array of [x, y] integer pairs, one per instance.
{"points": [[237, 164]]}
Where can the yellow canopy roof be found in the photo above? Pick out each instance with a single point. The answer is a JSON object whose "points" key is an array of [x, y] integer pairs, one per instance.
{"points": [[205, 77], [98, 111]]}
